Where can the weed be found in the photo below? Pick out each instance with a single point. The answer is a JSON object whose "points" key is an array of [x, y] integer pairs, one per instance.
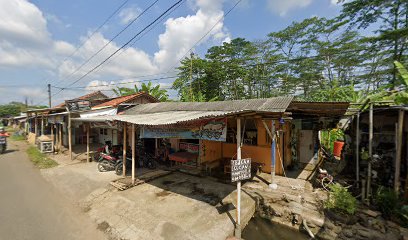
{"points": [[39, 159], [340, 199]]}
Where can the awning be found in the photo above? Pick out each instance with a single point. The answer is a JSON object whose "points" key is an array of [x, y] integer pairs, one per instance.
{"points": [[170, 117]]}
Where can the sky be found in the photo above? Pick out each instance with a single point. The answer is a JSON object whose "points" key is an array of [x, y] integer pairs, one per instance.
{"points": [[62, 43]]}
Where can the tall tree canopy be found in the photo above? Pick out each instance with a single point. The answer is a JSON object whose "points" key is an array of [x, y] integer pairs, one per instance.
{"points": [[339, 59]]}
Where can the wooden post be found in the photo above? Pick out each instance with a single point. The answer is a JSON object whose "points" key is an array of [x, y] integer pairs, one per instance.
{"points": [[60, 137], [358, 150], [124, 148], [398, 154], [87, 141], [133, 154], [273, 155], [238, 207], [370, 149], [36, 126], [52, 136], [69, 136], [42, 125]]}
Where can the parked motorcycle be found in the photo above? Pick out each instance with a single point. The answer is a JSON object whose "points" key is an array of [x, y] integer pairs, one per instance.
{"points": [[119, 165], [3, 144], [107, 162]]}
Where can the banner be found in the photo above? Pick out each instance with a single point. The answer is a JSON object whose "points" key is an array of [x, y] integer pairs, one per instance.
{"points": [[214, 130], [56, 119]]}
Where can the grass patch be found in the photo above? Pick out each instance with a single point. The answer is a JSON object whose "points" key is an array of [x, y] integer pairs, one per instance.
{"points": [[17, 137], [39, 159]]}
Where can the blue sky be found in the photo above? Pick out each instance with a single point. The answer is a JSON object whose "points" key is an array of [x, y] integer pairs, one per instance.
{"points": [[39, 37]]}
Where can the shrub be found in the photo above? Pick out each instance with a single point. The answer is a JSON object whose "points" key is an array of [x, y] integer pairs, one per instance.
{"points": [[387, 201], [341, 200]]}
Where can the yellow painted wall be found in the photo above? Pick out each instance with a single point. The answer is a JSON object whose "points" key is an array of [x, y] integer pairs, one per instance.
{"points": [[258, 154], [210, 151]]}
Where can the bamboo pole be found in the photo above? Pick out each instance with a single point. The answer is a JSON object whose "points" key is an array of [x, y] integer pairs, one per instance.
{"points": [[124, 149], [87, 141], [60, 137], [238, 207], [52, 136], [133, 154], [370, 149], [398, 154], [358, 150], [69, 136]]}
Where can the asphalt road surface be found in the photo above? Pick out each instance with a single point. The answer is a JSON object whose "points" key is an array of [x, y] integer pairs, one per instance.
{"points": [[31, 208]]}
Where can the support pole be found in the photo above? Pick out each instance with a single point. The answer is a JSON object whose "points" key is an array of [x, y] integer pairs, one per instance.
{"points": [[42, 125], [36, 126], [398, 154], [370, 150], [87, 141], [52, 136], [124, 149], [60, 137], [358, 150], [238, 207], [273, 157], [69, 136], [133, 154]]}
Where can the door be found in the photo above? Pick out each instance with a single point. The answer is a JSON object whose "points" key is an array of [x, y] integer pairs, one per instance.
{"points": [[306, 146]]}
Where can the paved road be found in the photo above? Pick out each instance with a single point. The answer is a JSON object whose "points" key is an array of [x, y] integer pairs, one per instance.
{"points": [[30, 208]]}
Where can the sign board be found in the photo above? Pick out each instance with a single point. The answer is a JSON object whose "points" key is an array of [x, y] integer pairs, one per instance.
{"points": [[56, 119], [78, 105], [214, 130], [240, 169]]}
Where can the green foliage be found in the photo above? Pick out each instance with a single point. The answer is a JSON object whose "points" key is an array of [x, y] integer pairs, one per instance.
{"points": [[155, 91], [387, 201], [39, 159], [329, 137], [341, 200]]}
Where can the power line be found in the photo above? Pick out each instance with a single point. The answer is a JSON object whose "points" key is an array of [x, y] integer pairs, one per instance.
{"points": [[124, 45], [115, 84], [93, 33], [110, 41]]}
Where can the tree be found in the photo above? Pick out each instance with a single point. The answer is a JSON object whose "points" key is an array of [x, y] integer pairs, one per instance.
{"points": [[388, 20], [155, 91]]}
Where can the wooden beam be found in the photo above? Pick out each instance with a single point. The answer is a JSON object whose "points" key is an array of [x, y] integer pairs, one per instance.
{"points": [[124, 148], [398, 154]]}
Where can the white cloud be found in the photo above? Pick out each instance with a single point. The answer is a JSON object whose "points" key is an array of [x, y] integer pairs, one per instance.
{"points": [[283, 7], [129, 14], [26, 42], [183, 32]]}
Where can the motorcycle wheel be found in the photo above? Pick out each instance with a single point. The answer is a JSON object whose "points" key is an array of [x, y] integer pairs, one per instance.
{"points": [[119, 169], [102, 165]]}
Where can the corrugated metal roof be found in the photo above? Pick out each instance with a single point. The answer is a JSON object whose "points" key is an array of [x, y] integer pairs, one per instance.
{"points": [[171, 117], [123, 99], [277, 104]]}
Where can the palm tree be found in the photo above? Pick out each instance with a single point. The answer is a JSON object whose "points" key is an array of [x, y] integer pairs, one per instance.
{"points": [[155, 91]]}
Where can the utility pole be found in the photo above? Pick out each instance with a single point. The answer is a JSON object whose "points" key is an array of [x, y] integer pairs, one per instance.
{"points": [[191, 75], [49, 95]]}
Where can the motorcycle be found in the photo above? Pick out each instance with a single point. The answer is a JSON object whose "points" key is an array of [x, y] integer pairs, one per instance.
{"points": [[107, 162], [3, 144], [119, 166]]}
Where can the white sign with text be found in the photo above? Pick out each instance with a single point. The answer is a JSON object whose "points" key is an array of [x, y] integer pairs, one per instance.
{"points": [[240, 169]]}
